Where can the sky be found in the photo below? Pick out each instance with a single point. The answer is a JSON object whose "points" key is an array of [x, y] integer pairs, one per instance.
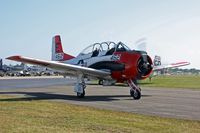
{"points": [[171, 28]]}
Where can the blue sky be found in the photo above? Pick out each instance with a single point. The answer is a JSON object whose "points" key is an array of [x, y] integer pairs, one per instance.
{"points": [[171, 27]]}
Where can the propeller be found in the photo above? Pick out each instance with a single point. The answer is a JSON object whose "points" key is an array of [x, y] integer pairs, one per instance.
{"points": [[144, 63], [141, 44]]}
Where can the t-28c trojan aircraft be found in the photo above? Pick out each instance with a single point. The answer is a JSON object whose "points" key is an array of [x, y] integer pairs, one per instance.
{"points": [[108, 62]]}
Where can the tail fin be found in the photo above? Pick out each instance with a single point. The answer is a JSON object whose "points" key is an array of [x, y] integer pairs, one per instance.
{"points": [[57, 50], [1, 64], [157, 61]]}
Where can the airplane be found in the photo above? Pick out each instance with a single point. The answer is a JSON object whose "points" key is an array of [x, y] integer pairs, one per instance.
{"points": [[38, 71], [1, 64], [159, 66], [106, 61], [1, 68], [16, 70]]}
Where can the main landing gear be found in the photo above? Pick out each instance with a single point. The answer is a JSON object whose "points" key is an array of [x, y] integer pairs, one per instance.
{"points": [[135, 91], [80, 87]]}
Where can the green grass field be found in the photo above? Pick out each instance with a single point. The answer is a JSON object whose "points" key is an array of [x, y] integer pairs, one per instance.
{"points": [[181, 81], [58, 117]]}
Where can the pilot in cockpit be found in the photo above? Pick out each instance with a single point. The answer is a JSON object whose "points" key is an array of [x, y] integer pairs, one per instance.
{"points": [[95, 52]]}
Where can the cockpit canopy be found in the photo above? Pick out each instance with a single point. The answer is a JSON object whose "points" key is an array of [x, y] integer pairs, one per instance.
{"points": [[105, 48]]}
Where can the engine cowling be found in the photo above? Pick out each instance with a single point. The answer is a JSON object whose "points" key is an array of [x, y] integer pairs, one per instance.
{"points": [[138, 65]]}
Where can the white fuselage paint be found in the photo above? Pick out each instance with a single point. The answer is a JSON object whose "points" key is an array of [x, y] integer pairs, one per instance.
{"points": [[86, 60]]}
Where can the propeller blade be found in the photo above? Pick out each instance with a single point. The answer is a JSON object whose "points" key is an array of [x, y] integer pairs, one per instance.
{"points": [[141, 44]]}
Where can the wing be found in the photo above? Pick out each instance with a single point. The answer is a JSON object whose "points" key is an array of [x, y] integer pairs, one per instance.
{"points": [[172, 65], [66, 68]]}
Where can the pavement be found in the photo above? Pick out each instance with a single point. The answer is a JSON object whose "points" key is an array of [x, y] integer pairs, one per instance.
{"points": [[164, 102]]}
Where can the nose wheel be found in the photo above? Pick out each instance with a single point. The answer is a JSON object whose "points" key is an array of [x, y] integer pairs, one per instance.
{"points": [[135, 91], [135, 94]]}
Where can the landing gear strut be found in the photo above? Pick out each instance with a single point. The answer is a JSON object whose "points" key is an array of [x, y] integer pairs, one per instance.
{"points": [[80, 87], [135, 91]]}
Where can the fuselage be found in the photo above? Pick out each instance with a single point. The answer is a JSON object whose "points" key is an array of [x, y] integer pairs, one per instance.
{"points": [[123, 63]]}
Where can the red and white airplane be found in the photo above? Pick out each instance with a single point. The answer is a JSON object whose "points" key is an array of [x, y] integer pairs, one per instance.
{"points": [[159, 66], [108, 61]]}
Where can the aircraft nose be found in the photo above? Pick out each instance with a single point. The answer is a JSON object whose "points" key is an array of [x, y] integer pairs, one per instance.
{"points": [[145, 65]]}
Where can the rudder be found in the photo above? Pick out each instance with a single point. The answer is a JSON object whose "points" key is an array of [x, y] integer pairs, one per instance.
{"points": [[57, 50], [1, 64], [157, 60]]}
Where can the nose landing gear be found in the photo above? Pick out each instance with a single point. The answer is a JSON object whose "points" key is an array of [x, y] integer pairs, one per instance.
{"points": [[135, 90]]}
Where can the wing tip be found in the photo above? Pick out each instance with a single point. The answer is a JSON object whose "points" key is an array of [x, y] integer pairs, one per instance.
{"points": [[16, 57], [184, 63]]}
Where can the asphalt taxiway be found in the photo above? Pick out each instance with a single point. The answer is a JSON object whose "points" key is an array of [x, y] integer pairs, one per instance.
{"points": [[173, 103]]}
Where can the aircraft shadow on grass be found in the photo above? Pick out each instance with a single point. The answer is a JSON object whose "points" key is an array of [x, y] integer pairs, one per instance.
{"points": [[29, 96]]}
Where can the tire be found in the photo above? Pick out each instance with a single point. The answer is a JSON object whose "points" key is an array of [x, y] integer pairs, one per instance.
{"points": [[81, 95], [136, 95], [100, 82]]}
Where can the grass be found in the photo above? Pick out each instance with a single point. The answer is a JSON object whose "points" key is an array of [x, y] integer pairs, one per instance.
{"points": [[43, 116], [171, 81]]}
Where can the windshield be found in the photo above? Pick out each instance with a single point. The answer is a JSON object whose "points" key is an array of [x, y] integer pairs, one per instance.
{"points": [[87, 50], [122, 47]]}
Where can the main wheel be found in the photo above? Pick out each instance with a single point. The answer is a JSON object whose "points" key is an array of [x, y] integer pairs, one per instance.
{"points": [[81, 95], [100, 82], [135, 94]]}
